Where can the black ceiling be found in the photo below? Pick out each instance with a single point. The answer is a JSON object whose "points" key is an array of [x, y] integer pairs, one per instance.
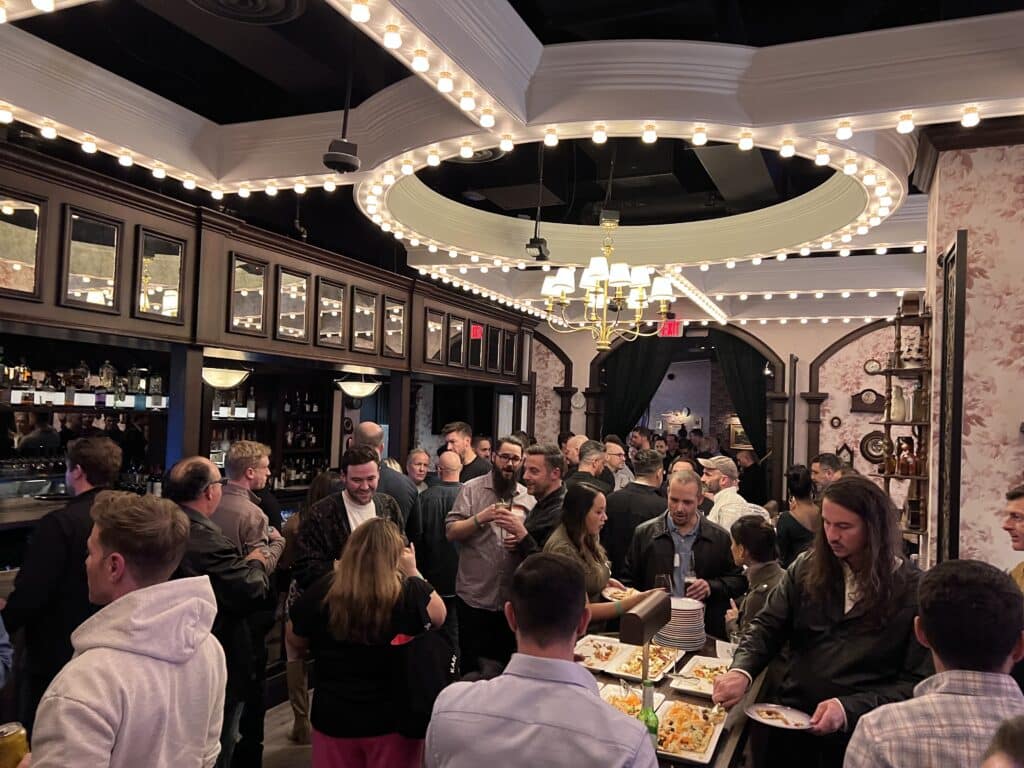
{"points": [[741, 22], [225, 70], [667, 182]]}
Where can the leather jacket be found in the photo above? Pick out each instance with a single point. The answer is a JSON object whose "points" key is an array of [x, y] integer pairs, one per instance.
{"points": [[837, 655]]}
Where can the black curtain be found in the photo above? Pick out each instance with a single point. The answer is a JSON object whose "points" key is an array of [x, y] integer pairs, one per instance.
{"points": [[633, 374], [743, 370]]}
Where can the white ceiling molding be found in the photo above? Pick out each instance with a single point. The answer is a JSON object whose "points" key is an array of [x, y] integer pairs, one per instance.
{"points": [[857, 273]]}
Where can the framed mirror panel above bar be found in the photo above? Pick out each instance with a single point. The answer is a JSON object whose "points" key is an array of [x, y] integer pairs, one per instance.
{"points": [[20, 244]]}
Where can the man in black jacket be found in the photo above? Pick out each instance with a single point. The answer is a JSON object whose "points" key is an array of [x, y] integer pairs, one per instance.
{"points": [[326, 526], [51, 594], [673, 542], [637, 503], [437, 558], [240, 584], [846, 611], [590, 467], [543, 470], [394, 484]]}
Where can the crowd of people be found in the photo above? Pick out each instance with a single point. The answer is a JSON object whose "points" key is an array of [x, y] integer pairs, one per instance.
{"points": [[442, 606]]}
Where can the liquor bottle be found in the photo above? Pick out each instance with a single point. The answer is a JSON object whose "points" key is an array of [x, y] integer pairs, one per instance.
{"points": [[250, 404], [647, 714], [287, 404], [316, 406], [307, 407]]}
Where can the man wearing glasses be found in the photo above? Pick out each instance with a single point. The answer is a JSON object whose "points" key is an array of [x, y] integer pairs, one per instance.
{"points": [[615, 460], [1013, 524], [483, 523]]}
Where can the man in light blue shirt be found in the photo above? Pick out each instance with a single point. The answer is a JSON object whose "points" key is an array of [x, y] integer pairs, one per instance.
{"points": [[544, 710]]}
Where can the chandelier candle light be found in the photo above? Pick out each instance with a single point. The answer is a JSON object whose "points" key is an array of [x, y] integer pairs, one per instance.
{"points": [[615, 298]]}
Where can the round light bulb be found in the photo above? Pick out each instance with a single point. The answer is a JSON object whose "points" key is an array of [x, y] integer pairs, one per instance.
{"points": [[385, 226], [217, 194], [270, 190], [905, 124], [780, 257], [399, 234], [874, 221], [872, 294], [970, 117], [159, 172], [705, 267], [719, 297], [433, 158], [392, 37], [432, 248], [407, 167], [746, 142], [445, 84], [884, 210], [919, 248], [885, 201], [846, 237], [845, 294], [650, 134], [420, 62], [550, 138], [600, 135], [330, 186], [870, 179], [862, 229], [6, 115], [826, 245], [844, 131], [849, 166], [388, 178], [881, 250], [756, 261], [844, 252], [768, 296], [487, 118], [48, 132], [244, 192], [189, 184], [467, 102], [881, 190], [700, 136], [821, 156], [466, 150], [125, 160], [730, 264], [376, 218], [377, 188], [819, 294], [805, 251], [788, 149], [46, 6], [89, 147], [360, 11], [371, 209], [793, 294], [506, 145], [299, 188], [371, 200]]}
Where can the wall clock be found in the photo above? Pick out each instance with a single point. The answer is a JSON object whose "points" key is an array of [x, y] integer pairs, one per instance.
{"points": [[868, 401], [872, 366], [578, 400]]}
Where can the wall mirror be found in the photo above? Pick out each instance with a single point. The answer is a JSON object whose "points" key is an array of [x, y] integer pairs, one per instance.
{"points": [[433, 340], [476, 346], [159, 262], [19, 247], [511, 357], [91, 262], [456, 334], [330, 313], [494, 350], [364, 321], [247, 304], [394, 327], [292, 302], [527, 358]]}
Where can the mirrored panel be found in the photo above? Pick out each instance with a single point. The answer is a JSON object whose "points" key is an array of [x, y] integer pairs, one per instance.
{"points": [[364, 321], [456, 334], [506, 408], [476, 345], [91, 245], [330, 321], [433, 340], [394, 327], [527, 358], [248, 295], [19, 246], [524, 413], [511, 356], [494, 350], [292, 300], [158, 284]]}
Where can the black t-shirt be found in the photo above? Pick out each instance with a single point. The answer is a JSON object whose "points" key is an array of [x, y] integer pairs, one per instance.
{"points": [[360, 689], [793, 538], [478, 467]]}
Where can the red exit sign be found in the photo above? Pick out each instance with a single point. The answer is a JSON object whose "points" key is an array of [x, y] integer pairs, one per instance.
{"points": [[671, 329]]}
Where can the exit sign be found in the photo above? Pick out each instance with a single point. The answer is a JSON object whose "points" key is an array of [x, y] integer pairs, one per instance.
{"points": [[671, 329]]}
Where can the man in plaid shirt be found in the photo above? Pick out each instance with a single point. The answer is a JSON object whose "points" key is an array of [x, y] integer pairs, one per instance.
{"points": [[971, 617]]}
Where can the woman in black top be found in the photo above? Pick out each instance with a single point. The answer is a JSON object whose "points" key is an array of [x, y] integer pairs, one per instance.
{"points": [[798, 527], [356, 619]]}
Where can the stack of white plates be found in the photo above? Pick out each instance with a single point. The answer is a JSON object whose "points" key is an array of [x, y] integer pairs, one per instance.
{"points": [[685, 629]]}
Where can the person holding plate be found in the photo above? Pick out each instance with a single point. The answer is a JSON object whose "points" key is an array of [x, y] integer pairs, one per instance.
{"points": [[578, 537], [846, 609]]}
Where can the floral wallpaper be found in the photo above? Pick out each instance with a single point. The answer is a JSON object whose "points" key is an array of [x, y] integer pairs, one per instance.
{"points": [[422, 436], [982, 191], [550, 374], [841, 377]]}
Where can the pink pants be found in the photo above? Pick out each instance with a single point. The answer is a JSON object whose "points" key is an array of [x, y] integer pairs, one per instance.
{"points": [[390, 751]]}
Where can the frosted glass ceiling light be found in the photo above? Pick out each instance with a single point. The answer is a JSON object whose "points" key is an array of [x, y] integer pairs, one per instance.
{"points": [[89, 147], [550, 138], [821, 156], [700, 136], [467, 102], [844, 131], [392, 37], [600, 135], [445, 84], [649, 135], [360, 11], [330, 186], [906, 123], [746, 142], [506, 145], [487, 118], [433, 158], [788, 149], [970, 117], [420, 62], [466, 150]]}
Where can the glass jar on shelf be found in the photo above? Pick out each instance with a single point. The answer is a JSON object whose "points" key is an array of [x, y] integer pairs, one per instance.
{"points": [[107, 375]]}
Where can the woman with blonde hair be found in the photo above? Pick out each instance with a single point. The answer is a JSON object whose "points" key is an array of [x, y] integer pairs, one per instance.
{"points": [[355, 620]]}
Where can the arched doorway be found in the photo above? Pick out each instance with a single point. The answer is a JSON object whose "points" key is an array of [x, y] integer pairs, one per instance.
{"points": [[652, 365]]}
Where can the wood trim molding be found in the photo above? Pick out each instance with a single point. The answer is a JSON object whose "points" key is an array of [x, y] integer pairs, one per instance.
{"points": [[936, 139], [814, 397]]}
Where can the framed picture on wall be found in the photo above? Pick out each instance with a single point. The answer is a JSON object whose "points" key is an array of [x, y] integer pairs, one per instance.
{"points": [[738, 439]]}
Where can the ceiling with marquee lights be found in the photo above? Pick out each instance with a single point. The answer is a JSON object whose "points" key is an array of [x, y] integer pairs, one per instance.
{"points": [[757, 167]]}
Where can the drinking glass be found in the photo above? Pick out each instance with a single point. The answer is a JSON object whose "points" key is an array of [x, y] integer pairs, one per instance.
{"points": [[663, 581]]}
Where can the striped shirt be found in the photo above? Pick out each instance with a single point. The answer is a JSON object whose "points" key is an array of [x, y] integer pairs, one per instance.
{"points": [[949, 722]]}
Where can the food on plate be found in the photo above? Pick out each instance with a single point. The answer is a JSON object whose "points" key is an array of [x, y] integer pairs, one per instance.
{"points": [[629, 703], [770, 713], [685, 728], [613, 593], [661, 659], [708, 672], [595, 652]]}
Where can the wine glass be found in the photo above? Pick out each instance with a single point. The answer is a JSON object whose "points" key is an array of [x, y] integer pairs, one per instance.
{"points": [[663, 581]]}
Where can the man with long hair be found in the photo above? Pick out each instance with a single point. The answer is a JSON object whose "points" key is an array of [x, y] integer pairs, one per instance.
{"points": [[846, 609]]}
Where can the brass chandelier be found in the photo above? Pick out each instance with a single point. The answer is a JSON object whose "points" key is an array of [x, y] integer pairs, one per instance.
{"points": [[614, 301]]}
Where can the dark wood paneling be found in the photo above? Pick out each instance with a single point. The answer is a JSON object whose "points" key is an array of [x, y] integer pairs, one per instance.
{"points": [[934, 139]]}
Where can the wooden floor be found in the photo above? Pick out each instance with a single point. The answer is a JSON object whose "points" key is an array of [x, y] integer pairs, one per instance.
{"points": [[278, 751]]}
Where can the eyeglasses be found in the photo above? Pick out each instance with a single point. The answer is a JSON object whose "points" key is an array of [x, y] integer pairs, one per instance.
{"points": [[511, 458], [218, 481]]}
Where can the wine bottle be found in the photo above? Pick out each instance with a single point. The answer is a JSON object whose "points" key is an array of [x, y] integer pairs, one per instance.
{"points": [[647, 714]]}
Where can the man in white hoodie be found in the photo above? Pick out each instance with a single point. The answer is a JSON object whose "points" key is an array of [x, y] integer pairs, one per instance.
{"points": [[146, 684]]}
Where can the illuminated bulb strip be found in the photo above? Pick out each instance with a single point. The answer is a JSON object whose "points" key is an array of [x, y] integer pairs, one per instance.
{"points": [[420, 62], [89, 146], [787, 149], [698, 297], [506, 145], [700, 136], [746, 142], [550, 137], [970, 117], [360, 11], [844, 131]]}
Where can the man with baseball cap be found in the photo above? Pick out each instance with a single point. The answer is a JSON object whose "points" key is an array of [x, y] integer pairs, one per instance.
{"points": [[720, 479]]}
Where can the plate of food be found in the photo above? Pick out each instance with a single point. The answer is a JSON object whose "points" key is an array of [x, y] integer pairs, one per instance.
{"points": [[699, 673], [630, 666], [627, 699], [688, 731], [779, 716], [596, 651], [614, 593]]}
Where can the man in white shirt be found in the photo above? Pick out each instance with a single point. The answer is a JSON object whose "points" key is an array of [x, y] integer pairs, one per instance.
{"points": [[721, 479]]}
